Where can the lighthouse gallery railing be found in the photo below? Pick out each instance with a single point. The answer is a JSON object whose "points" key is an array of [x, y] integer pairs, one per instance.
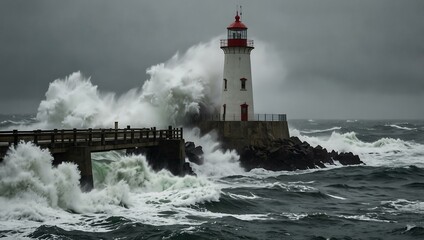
{"points": [[237, 42]]}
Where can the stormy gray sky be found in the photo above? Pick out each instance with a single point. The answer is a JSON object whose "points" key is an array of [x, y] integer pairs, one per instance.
{"points": [[353, 59]]}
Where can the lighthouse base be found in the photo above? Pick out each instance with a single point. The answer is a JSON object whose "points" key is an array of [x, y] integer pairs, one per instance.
{"points": [[238, 134]]}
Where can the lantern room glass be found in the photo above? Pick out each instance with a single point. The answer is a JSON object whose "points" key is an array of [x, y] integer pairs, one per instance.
{"points": [[237, 34]]}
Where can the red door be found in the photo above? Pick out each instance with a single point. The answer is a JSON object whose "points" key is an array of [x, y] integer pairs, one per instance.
{"points": [[244, 112]]}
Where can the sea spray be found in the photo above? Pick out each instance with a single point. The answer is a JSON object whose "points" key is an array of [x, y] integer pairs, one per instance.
{"points": [[26, 171], [138, 175], [176, 88], [33, 191], [384, 151], [217, 162]]}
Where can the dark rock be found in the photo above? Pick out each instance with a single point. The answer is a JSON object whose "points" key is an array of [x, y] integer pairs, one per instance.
{"points": [[193, 153], [292, 154], [189, 146], [349, 159], [295, 140], [198, 150], [187, 170]]}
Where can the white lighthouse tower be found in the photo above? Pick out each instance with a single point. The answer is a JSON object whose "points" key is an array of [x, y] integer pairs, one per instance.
{"points": [[237, 91]]}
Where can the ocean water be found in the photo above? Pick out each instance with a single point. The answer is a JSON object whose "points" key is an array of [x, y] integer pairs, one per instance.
{"points": [[382, 200]]}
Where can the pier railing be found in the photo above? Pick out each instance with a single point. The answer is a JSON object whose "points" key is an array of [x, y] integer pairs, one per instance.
{"points": [[237, 117], [60, 137]]}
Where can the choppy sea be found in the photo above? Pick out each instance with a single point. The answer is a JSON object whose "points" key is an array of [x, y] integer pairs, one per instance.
{"points": [[382, 200]]}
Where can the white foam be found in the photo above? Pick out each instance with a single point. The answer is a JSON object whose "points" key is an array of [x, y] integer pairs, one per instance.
{"points": [[403, 205], [217, 162], [383, 152], [294, 216], [364, 218], [336, 197], [244, 217], [32, 191], [322, 130], [400, 127], [239, 196]]}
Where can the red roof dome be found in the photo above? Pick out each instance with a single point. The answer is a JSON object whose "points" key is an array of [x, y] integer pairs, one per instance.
{"points": [[237, 23]]}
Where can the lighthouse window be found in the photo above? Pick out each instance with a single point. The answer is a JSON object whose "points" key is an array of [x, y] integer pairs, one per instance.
{"points": [[225, 84], [243, 84]]}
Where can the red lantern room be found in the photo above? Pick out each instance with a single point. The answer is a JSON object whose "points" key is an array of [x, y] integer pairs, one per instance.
{"points": [[237, 35]]}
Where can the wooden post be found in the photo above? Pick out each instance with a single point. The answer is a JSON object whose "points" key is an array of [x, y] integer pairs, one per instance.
{"points": [[102, 137], [52, 138], [62, 137], [154, 133], [181, 133], [169, 133], [75, 136], [90, 136], [35, 137], [15, 137], [132, 135]]}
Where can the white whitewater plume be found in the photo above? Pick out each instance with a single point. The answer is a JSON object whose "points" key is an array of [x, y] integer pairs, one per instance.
{"points": [[180, 84], [175, 88], [32, 191], [321, 131], [135, 172], [217, 162], [27, 174], [385, 151]]}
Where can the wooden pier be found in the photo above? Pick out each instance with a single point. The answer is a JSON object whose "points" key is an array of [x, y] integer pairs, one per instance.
{"points": [[76, 145]]}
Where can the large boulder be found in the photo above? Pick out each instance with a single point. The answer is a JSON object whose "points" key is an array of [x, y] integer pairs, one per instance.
{"points": [[194, 154], [348, 159]]}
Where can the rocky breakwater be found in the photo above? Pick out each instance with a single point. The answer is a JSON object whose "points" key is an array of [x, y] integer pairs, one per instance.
{"points": [[292, 154]]}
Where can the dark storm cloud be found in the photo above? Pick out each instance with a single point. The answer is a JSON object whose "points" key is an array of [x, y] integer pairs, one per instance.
{"points": [[366, 45], [342, 53]]}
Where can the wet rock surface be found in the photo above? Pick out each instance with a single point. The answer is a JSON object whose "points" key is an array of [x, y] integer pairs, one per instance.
{"points": [[292, 154], [194, 153]]}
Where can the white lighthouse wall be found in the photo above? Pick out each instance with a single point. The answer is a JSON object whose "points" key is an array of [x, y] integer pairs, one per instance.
{"points": [[237, 66]]}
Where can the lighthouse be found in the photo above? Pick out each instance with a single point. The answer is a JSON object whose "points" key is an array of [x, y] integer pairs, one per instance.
{"points": [[237, 87], [238, 126]]}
